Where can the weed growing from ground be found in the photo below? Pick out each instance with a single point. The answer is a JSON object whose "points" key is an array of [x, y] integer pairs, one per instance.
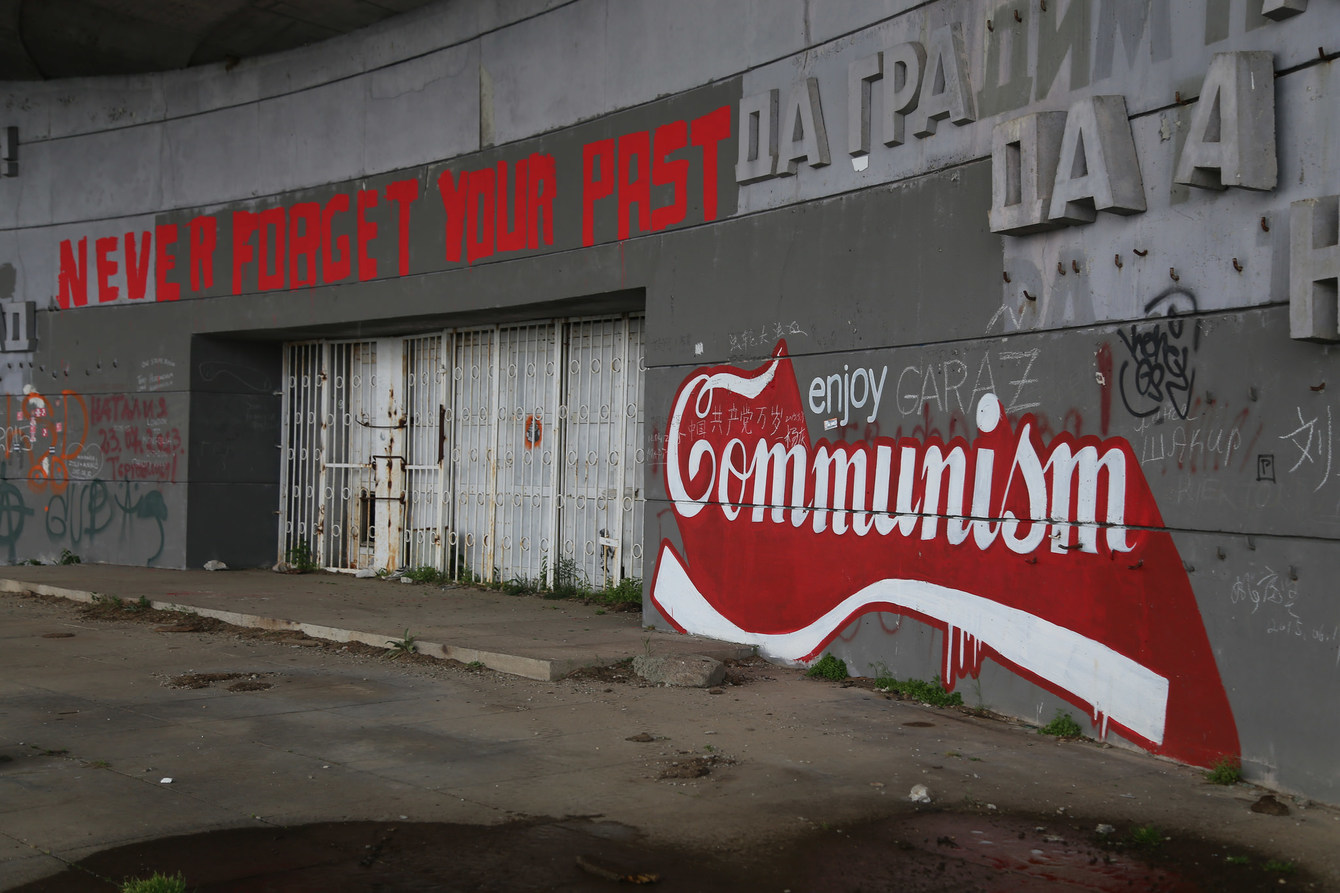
{"points": [[1280, 867], [569, 581], [1063, 725], [67, 557], [1227, 771], [425, 574], [157, 883], [828, 667], [403, 645], [1147, 836], [932, 692], [301, 559], [627, 591], [1238, 860]]}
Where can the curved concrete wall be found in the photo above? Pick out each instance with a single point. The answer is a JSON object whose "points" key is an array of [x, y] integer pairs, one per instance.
{"points": [[1008, 366]]}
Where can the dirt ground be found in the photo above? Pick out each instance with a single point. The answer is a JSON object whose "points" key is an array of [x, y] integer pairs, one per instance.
{"points": [[966, 847]]}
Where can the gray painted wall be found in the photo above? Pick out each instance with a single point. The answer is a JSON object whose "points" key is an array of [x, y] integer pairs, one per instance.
{"points": [[143, 430]]}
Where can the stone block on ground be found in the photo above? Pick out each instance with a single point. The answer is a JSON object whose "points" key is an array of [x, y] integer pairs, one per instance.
{"points": [[690, 671]]}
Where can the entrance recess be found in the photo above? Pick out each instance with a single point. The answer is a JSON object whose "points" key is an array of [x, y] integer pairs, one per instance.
{"points": [[492, 454]]}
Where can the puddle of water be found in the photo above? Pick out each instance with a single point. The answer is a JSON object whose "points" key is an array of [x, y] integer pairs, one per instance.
{"points": [[930, 850]]}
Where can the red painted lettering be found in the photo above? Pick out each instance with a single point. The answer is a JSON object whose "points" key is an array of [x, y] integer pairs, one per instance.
{"points": [[540, 199], [670, 138], [244, 224], [165, 237], [336, 262], [479, 195], [512, 233], [367, 232], [102, 253], [708, 131], [137, 266], [304, 240], [597, 183], [73, 275], [204, 237], [271, 270], [634, 181], [453, 203], [403, 193]]}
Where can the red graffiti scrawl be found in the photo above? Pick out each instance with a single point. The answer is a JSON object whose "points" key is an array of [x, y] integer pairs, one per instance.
{"points": [[1048, 558]]}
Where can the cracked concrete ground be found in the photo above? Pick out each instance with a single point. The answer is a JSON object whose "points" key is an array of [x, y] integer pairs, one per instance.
{"points": [[90, 729]]}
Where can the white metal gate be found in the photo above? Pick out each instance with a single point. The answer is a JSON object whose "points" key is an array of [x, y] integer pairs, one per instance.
{"points": [[493, 454]]}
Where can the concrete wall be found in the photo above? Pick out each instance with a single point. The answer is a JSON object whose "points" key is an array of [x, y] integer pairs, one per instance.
{"points": [[1065, 456]]}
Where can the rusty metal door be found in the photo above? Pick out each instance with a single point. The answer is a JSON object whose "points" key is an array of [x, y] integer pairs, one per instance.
{"points": [[338, 436], [427, 394], [492, 454]]}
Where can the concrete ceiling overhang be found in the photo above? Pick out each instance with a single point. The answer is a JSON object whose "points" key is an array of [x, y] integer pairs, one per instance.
{"points": [[46, 39]]}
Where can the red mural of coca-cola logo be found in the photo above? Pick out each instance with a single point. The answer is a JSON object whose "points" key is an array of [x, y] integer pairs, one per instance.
{"points": [[1050, 559]]}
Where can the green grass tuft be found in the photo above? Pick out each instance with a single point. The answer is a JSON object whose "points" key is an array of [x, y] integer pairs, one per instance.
{"points": [[1147, 836], [157, 883], [425, 574], [828, 667], [1227, 771], [301, 559], [1063, 725], [932, 693]]}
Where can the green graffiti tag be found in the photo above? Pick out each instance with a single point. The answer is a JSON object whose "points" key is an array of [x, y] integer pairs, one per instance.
{"points": [[86, 510]]}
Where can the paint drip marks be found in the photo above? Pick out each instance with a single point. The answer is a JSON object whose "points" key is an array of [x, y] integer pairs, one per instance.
{"points": [[1049, 557], [963, 656]]}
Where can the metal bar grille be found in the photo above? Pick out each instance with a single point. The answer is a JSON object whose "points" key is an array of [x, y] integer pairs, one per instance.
{"points": [[300, 452], [510, 452], [600, 484], [425, 405], [525, 422], [471, 454], [348, 488]]}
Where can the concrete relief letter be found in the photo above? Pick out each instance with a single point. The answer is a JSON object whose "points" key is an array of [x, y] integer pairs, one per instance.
{"points": [[1231, 141], [18, 318], [1024, 152], [757, 158], [904, 66], [806, 138], [1279, 10], [946, 92], [1097, 169], [861, 73], [1314, 269]]}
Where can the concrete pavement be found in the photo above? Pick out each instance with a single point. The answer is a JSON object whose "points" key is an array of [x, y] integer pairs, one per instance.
{"points": [[90, 726], [530, 637]]}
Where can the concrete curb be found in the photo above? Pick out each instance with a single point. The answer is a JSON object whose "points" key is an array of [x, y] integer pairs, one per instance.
{"points": [[541, 669]]}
